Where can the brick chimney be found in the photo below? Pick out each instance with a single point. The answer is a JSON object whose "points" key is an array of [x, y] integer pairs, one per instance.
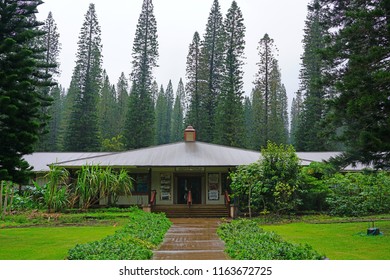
{"points": [[189, 134]]}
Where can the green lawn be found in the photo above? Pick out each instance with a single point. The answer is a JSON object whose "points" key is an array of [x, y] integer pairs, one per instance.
{"points": [[339, 241], [47, 243]]}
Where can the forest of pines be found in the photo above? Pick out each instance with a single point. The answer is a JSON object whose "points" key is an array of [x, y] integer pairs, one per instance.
{"points": [[342, 102], [95, 115]]}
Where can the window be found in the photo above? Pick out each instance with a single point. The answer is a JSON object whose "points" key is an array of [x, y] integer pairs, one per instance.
{"points": [[141, 184]]}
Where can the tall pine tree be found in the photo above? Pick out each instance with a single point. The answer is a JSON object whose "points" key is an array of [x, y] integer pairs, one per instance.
{"points": [[82, 132], [229, 120], [161, 117], [52, 139], [22, 75], [309, 134], [140, 119], [122, 89], [262, 91], [248, 121], [50, 43], [296, 111], [193, 93], [211, 71], [107, 109], [177, 121], [358, 51], [277, 111], [257, 137], [170, 101]]}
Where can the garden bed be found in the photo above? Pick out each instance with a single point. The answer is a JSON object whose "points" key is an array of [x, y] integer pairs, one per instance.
{"points": [[51, 239]]}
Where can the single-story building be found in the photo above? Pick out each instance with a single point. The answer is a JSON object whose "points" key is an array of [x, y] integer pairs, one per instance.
{"points": [[171, 176]]}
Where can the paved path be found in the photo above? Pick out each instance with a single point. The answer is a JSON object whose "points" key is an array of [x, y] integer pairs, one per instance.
{"points": [[192, 239]]}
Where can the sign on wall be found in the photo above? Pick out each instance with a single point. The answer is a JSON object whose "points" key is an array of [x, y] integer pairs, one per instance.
{"points": [[213, 182], [165, 186]]}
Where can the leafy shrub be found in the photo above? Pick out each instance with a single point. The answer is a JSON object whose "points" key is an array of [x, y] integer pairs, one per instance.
{"points": [[119, 246], [134, 242], [245, 240], [314, 186], [358, 194], [271, 184]]}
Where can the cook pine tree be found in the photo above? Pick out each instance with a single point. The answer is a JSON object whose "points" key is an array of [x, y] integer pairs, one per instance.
{"points": [[248, 124], [52, 138], [82, 131], [261, 99], [22, 77], [122, 90], [52, 47], [192, 88], [229, 117], [277, 111], [161, 117], [358, 52], [140, 120], [308, 133], [170, 102], [211, 72], [107, 109], [177, 120], [296, 112]]}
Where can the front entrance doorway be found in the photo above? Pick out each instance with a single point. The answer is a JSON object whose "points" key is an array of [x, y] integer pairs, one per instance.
{"points": [[184, 184]]}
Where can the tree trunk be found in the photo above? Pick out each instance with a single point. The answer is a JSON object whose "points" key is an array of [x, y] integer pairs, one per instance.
{"points": [[249, 202], [5, 203], [1, 198], [12, 197]]}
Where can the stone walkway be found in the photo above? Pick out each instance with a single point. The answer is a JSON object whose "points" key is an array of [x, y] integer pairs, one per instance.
{"points": [[192, 239]]}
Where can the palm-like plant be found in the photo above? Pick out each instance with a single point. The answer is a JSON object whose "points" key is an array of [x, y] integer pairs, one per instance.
{"points": [[56, 190], [122, 185], [95, 182], [87, 186]]}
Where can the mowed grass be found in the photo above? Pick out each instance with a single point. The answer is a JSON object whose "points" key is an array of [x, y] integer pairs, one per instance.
{"points": [[339, 241], [47, 243]]}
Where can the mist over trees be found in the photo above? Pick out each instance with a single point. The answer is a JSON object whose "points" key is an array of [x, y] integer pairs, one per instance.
{"points": [[342, 102]]}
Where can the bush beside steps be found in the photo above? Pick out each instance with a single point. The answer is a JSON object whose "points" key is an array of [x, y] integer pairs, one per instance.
{"points": [[245, 240], [135, 241]]}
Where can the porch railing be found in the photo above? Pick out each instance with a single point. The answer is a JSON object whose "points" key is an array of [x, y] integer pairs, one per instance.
{"points": [[153, 198], [189, 198], [227, 198]]}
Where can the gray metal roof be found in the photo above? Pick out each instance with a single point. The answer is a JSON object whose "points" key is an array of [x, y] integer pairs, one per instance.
{"points": [[41, 161], [176, 154], [309, 157], [181, 154]]}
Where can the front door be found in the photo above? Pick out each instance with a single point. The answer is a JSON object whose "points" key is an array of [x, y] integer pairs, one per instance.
{"points": [[184, 184]]}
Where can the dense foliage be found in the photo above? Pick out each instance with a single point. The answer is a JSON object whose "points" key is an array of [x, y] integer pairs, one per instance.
{"points": [[310, 124], [229, 121], [245, 240], [357, 194], [358, 50], [134, 242], [50, 43], [93, 184], [345, 82], [272, 183], [277, 184], [22, 75], [211, 63], [139, 129]]}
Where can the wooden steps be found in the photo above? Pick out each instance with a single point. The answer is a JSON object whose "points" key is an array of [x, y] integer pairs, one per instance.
{"points": [[194, 211]]}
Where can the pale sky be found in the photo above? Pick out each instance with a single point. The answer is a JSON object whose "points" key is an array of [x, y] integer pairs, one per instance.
{"points": [[177, 21]]}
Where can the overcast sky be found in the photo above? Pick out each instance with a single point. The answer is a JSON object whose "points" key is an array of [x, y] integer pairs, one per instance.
{"points": [[177, 20]]}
